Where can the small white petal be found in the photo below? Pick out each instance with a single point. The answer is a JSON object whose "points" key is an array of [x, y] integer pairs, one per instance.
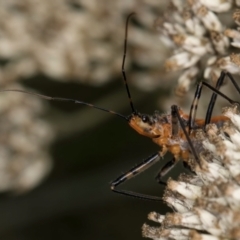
{"points": [[209, 221], [217, 5]]}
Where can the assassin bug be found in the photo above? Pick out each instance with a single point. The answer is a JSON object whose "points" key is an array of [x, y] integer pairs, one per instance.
{"points": [[173, 132]]}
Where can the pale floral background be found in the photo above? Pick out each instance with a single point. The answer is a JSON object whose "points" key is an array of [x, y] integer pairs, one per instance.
{"points": [[56, 159]]}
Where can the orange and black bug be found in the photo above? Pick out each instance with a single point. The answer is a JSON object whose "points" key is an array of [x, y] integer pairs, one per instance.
{"points": [[173, 132]]}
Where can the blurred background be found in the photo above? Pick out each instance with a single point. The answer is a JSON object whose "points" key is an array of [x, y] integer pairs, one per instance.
{"points": [[57, 159]]}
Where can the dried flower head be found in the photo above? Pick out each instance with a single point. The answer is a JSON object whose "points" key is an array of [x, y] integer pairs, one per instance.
{"points": [[206, 205], [197, 31], [74, 40]]}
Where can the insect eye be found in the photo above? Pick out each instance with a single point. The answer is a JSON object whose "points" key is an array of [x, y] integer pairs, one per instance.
{"points": [[145, 118]]}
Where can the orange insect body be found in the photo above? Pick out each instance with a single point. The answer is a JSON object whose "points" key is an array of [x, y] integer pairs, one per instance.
{"points": [[218, 120], [158, 127]]}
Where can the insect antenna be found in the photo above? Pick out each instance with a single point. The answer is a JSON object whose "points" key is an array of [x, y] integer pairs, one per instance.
{"points": [[123, 63], [59, 99], [75, 101]]}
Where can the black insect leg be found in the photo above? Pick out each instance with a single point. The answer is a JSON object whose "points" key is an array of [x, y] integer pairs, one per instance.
{"points": [[233, 81], [133, 172], [174, 123], [176, 118], [217, 92], [213, 99], [164, 170], [175, 113], [193, 110], [169, 166]]}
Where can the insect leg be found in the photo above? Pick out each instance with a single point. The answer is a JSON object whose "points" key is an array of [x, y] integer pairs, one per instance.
{"points": [[175, 119], [164, 170], [220, 93], [175, 113], [217, 92], [174, 124], [233, 81], [214, 95], [193, 110], [148, 162], [214, 98]]}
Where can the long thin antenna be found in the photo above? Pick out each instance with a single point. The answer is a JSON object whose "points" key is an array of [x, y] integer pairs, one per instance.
{"points": [[123, 63], [58, 99]]}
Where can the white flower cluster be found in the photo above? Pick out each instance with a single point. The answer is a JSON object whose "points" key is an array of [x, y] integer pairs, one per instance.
{"points": [[24, 142], [206, 205], [79, 40], [197, 32]]}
